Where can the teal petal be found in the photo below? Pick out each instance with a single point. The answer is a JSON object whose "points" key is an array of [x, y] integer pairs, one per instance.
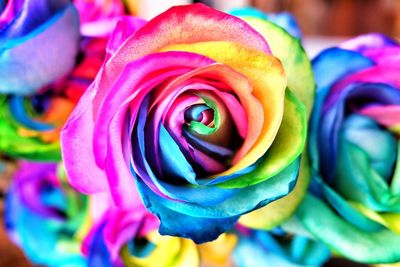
{"points": [[341, 236]]}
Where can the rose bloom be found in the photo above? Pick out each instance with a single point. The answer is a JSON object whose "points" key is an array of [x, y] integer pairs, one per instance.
{"points": [[122, 237], [129, 238], [30, 125], [191, 114], [35, 36], [44, 216], [354, 203], [277, 248]]}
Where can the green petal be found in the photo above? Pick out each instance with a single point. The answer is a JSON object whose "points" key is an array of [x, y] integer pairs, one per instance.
{"points": [[294, 59], [345, 238], [12, 144], [395, 184], [282, 209], [287, 146]]}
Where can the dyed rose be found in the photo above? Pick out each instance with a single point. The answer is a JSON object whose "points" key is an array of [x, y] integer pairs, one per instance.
{"points": [[192, 111], [98, 17], [44, 216], [354, 205], [39, 41], [277, 248], [30, 125], [129, 238]]}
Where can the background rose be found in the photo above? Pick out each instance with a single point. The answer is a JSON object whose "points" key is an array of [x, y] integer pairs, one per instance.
{"points": [[277, 248], [192, 108], [44, 216], [99, 17], [129, 238], [284, 20], [35, 36], [354, 204], [30, 125]]}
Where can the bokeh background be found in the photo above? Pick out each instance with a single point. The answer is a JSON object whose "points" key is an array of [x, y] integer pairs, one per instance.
{"points": [[324, 23]]}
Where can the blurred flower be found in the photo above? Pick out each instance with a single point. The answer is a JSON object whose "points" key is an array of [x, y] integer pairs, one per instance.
{"points": [[129, 238], [30, 125], [44, 216], [98, 17], [354, 204], [284, 20], [278, 249], [39, 42]]}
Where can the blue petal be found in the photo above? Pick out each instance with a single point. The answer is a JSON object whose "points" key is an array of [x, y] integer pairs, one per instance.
{"points": [[199, 229], [262, 249], [99, 255], [176, 216], [37, 237], [330, 66], [284, 20], [173, 161], [42, 56], [18, 111], [245, 199]]}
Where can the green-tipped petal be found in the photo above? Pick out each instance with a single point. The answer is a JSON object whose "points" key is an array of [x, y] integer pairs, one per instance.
{"points": [[323, 223], [294, 59], [287, 146]]}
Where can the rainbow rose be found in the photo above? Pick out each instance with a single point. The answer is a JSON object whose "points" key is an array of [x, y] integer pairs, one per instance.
{"points": [[35, 35], [191, 113], [354, 204], [277, 248], [128, 238], [30, 125], [44, 216]]}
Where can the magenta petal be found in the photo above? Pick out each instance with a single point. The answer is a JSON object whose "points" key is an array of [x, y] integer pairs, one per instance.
{"points": [[385, 115], [365, 42], [77, 149], [117, 164], [385, 55], [125, 27], [131, 83], [376, 74]]}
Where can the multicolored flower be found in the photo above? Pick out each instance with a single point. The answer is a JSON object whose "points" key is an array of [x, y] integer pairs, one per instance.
{"points": [[35, 36], [191, 110], [30, 125], [277, 248], [129, 238], [44, 216], [354, 204]]}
